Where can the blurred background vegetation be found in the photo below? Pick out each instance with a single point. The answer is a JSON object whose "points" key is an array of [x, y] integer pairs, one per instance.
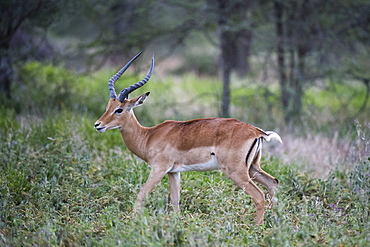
{"points": [[300, 68], [286, 50]]}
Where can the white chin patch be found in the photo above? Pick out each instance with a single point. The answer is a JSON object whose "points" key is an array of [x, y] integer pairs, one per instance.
{"points": [[101, 130]]}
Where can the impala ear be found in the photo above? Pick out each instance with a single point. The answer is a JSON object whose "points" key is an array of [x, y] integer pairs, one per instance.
{"points": [[138, 101]]}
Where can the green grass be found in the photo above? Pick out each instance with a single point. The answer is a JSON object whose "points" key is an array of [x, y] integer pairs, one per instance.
{"points": [[61, 186], [64, 184]]}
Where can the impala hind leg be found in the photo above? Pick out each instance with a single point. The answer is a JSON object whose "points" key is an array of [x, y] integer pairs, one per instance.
{"points": [[269, 182], [242, 179], [174, 181], [155, 177], [266, 180]]}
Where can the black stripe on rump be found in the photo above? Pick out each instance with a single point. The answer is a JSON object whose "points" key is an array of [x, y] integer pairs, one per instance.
{"points": [[256, 142], [250, 150]]}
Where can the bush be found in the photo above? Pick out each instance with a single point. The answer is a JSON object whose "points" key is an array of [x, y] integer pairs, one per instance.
{"points": [[44, 86], [42, 89]]}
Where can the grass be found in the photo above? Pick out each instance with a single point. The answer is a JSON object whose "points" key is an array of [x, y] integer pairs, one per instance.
{"points": [[64, 184]]}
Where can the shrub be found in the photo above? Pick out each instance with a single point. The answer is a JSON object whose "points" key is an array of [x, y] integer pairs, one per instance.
{"points": [[44, 86]]}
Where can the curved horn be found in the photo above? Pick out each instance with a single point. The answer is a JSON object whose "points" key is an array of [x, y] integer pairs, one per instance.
{"points": [[114, 78], [125, 92]]}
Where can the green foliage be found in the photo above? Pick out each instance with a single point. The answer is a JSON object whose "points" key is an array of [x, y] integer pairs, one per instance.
{"points": [[200, 63], [335, 211], [42, 89], [64, 184], [44, 86], [352, 95], [257, 104]]}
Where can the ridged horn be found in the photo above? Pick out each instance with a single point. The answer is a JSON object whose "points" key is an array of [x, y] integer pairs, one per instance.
{"points": [[114, 78], [125, 92]]}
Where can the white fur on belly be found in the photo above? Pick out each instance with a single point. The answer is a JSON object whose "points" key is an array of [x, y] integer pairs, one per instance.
{"points": [[208, 166]]}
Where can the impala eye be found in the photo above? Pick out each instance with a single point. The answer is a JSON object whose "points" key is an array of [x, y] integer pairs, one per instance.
{"points": [[119, 110]]}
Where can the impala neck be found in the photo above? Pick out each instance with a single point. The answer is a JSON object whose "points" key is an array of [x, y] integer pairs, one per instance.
{"points": [[133, 134]]}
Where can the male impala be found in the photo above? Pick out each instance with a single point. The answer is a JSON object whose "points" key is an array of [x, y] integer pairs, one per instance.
{"points": [[196, 145]]}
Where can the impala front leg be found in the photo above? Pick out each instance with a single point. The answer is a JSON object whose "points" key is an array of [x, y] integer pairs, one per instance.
{"points": [[174, 180], [155, 177]]}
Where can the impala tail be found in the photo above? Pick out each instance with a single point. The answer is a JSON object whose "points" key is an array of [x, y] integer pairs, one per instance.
{"points": [[271, 135]]}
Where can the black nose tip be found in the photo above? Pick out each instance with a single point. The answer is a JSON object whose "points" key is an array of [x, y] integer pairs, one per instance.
{"points": [[97, 124]]}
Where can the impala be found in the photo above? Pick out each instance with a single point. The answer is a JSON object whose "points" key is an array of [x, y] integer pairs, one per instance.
{"points": [[196, 145]]}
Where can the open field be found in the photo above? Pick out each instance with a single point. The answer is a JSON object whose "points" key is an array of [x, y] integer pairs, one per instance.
{"points": [[64, 184]]}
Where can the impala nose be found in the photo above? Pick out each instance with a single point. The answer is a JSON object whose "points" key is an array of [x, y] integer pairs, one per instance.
{"points": [[99, 129]]}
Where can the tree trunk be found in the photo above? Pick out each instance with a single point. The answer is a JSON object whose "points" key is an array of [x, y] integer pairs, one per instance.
{"points": [[278, 12], [243, 37], [227, 49], [242, 50], [225, 105], [226, 52], [6, 74], [299, 80], [235, 43]]}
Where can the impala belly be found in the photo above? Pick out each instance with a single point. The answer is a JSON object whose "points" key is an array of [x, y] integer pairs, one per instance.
{"points": [[206, 166]]}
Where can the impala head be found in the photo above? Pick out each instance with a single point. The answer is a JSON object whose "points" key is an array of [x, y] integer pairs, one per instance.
{"points": [[119, 107]]}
